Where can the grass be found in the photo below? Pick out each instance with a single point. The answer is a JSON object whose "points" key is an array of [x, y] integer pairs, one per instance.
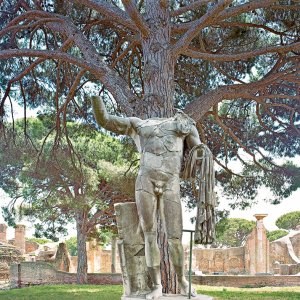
{"points": [[110, 292], [263, 293], [64, 292]]}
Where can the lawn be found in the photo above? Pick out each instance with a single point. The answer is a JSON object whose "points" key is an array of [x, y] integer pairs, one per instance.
{"points": [[109, 292]]}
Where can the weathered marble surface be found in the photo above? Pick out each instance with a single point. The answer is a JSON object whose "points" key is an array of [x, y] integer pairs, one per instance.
{"points": [[131, 250]]}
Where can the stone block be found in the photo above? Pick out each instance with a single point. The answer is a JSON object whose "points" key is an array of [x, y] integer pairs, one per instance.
{"points": [[131, 248]]}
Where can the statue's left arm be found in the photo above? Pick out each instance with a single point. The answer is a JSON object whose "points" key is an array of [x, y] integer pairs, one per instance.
{"points": [[199, 169]]}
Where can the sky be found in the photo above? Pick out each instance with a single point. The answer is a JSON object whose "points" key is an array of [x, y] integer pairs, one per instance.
{"points": [[292, 203]]}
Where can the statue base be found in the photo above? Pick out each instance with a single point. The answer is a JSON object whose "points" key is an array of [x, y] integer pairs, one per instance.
{"points": [[169, 297]]}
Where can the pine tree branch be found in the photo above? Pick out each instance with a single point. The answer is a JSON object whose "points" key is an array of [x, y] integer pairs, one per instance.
{"points": [[248, 7], [119, 89], [136, 17], [91, 60], [240, 56], [194, 5], [236, 139], [232, 12], [209, 18], [252, 90], [112, 12]]}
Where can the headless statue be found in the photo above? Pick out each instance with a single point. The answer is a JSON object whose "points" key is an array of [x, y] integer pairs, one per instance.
{"points": [[160, 142]]}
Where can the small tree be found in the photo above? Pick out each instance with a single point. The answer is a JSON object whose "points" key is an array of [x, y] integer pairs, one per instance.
{"points": [[232, 232], [65, 182], [72, 245], [276, 234], [289, 221]]}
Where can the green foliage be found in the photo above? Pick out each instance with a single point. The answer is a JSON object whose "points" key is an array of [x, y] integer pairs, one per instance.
{"points": [[289, 221], [38, 240], [232, 232], [276, 234], [103, 237], [63, 175], [263, 117], [72, 245], [242, 191]]}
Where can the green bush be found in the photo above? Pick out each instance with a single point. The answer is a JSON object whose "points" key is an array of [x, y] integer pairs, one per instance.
{"points": [[276, 234]]}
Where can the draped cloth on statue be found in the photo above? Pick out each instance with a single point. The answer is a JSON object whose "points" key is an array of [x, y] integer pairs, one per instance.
{"points": [[199, 170]]}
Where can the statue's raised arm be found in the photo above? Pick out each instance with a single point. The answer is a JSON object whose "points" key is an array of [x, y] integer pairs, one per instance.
{"points": [[119, 125]]}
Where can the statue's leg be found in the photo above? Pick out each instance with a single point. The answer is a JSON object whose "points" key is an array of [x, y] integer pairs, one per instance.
{"points": [[173, 222], [146, 207]]}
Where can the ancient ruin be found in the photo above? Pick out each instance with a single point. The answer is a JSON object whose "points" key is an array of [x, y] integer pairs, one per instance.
{"points": [[56, 254], [9, 254], [51, 263], [257, 256]]}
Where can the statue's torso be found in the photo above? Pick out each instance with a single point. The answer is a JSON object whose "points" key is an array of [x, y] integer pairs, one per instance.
{"points": [[161, 142]]}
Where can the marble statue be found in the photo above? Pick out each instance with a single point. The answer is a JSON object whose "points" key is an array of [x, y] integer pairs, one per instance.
{"points": [[160, 142]]}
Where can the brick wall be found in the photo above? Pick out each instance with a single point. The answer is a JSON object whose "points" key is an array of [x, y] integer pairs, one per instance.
{"points": [[31, 246], [245, 281], [229, 260], [37, 273]]}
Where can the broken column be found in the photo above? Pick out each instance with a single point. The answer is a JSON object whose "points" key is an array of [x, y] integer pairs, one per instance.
{"points": [[3, 229], [20, 237], [131, 250], [257, 248]]}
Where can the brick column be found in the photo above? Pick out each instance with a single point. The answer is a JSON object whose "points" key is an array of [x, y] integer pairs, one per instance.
{"points": [[262, 245], [257, 248], [20, 237], [3, 228]]}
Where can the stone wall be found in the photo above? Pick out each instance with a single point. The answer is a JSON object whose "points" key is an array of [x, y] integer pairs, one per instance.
{"points": [[279, 253], [105, 261], [8, 255], [38, 273], [229, 260], [31, 246], [252, 258], [295, 240], [284, 254], [246, 281], [98, 262]]}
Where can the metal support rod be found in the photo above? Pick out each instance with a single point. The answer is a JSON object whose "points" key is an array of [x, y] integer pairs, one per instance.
{"points": [[190, 266], [19, 276], [190, 260]]}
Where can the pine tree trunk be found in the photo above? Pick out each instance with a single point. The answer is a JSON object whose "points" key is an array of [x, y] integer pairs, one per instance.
{"points": [[159, 99], [158, 63], [168, 275], [81, 248]]}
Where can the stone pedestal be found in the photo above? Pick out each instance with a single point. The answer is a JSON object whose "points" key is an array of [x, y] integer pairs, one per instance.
{"points": [[136, 280]]}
